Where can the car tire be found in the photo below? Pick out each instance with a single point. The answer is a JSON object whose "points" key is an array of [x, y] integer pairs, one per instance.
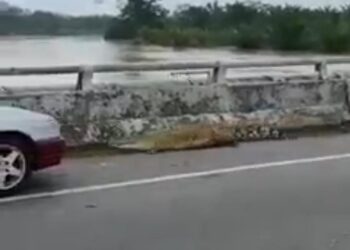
{"points": [[20, 164]]}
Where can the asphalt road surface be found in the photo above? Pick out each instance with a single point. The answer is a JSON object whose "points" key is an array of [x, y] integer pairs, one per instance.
{"points": [[269, 195]]}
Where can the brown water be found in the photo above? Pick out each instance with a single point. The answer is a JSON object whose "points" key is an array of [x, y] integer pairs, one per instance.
{"points": [[56, 51]]}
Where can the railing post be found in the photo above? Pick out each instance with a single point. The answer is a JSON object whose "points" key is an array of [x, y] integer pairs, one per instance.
{"points": [[85, 76], [321, 69], [219, 73]]}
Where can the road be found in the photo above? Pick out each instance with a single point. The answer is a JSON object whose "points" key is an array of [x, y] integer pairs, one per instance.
{"points": [[299, 199]]}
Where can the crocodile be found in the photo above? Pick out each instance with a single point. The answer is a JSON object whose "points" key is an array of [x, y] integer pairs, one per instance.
{"points": [[195, 136]]}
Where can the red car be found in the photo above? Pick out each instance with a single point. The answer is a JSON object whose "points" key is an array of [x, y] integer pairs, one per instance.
{"points": [[29, 142]]}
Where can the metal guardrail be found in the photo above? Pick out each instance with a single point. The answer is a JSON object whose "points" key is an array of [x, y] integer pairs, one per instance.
{"points": [[217, 69]]}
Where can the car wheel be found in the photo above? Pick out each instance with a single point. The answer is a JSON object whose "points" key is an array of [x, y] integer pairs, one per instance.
{"points": [[15, 165]]}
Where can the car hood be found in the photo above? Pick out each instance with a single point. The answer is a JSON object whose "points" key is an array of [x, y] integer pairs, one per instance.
{"points": [[21, 115], [35, 125]]}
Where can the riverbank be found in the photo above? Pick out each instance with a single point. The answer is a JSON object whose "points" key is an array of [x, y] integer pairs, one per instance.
{"points": [[251, 25], [251, 38]]}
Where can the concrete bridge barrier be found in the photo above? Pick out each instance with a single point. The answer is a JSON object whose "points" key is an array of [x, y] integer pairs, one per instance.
{"points": [[113, 114]]}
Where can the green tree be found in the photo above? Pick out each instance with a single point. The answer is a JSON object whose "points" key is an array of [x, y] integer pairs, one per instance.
{"points": [[136, 15]]}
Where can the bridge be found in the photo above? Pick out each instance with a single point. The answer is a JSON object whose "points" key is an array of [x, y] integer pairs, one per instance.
{"points": [[112, 113], [268, 195], [214, 71]]}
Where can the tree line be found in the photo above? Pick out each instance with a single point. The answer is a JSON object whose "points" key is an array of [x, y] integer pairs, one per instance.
{"points": [[252, 25], [15, 21]]}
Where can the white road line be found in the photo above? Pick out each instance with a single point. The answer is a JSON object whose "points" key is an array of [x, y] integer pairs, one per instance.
{"points": [[165, 178]]}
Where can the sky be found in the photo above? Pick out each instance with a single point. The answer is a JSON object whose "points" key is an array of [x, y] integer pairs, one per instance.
{"points": [[87, 7]]}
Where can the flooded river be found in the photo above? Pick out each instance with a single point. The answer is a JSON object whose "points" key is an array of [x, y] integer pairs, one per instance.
{"points": [[63, 51]]}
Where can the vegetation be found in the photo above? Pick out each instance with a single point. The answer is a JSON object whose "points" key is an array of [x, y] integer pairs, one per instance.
{"points": [[15, 21], [250, 25], [135, 15]]}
